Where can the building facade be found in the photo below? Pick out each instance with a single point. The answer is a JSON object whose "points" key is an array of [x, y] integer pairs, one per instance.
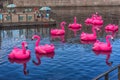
{"points": [[25, 3]]}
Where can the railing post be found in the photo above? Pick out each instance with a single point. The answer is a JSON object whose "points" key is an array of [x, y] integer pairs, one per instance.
{"points": [[18, 17], [34, 17], [26, 17], [106, 77], [119, 72], [11, 17], [2, 18]]}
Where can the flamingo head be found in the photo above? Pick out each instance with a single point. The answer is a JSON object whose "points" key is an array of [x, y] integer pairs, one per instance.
{"points": [[24, 44], [63, 23], [110, 36], [98, 29], [75, 18], [35, 37], [96, 13]]}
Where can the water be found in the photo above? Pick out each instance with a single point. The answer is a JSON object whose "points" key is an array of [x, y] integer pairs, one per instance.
{"points": [[72, 60]]}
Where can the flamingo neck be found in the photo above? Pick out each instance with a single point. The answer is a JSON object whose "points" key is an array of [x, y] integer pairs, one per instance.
{"points": [[113, 34], [93, 30], [24, 49], [75, 20], [107, 40], [37, 42], [62, 26], [38, 61], [107, 60], [75, 33], [24, 69]]}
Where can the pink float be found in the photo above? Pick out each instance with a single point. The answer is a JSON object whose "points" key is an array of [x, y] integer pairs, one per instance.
{"points": [[75, 25], [59, 31], [20, 54], [89, 37], [96, 19], [111, 27], [101, 46], [43, 49]]}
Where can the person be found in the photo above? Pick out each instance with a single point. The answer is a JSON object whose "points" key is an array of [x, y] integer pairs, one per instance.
{"points": [[1, 16], [42, 16], [47, 15]]}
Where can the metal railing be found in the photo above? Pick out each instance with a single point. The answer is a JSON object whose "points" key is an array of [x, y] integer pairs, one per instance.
{"points": [[105, 75], [28, 17]]}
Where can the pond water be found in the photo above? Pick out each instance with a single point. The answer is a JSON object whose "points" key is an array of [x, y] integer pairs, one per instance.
{"points": [[72, 60]]}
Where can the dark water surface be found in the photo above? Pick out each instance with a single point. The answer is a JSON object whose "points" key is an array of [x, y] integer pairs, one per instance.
{"points": [[72, 59]]}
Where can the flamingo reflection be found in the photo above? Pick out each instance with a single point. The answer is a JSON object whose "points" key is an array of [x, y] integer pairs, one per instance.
{"points": [[24, 62], [75, 30], [39, 56], [61, 37], [107, 53], [88, 42]]}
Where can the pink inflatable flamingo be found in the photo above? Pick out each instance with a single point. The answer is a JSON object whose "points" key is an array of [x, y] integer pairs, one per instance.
{"points": [[97, 22], [59, 31], [90, 37], [96, 19], [20, 53], [101, 46], [75, 25], [24, 62], [111, 27], [88, 21], [43, 49], [39, 56], [107, 56]]}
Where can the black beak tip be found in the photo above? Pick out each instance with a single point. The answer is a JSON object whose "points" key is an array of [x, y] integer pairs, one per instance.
{"points": [[113, 40], [26, 47]]}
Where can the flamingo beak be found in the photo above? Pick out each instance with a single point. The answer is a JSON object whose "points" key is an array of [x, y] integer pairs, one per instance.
{"points": [[112, 38], [26, 46], [32, 38], [98, 29]]}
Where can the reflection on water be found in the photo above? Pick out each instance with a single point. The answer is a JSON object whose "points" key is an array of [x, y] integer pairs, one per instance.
{"points": [[107, 54], [75, 31], [73, 59], [61, 37], [39, 56], [23, 62]]}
